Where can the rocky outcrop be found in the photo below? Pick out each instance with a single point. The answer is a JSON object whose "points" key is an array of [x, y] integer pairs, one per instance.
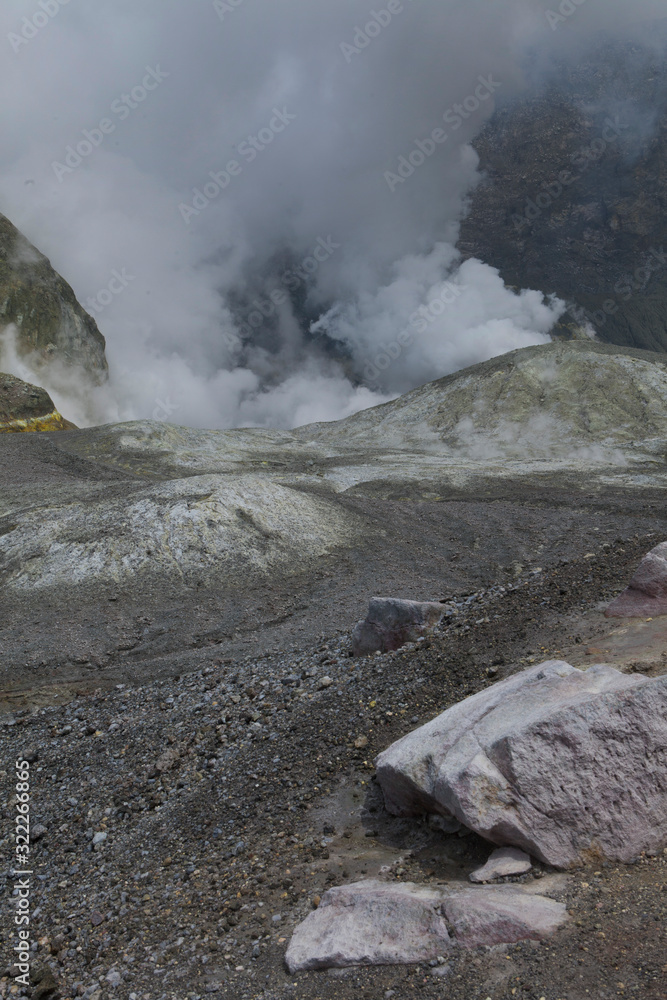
{"points": [[503, 862], [646, 594], [573, 191], [377, 923], [391, 623], [566, 764], [25, 407], [590, 408], [50, 323]]}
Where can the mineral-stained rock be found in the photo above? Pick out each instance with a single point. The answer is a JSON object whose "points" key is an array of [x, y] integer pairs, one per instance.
{"points": [[391, 623], [377, 923], [504, 861], [501, 915], [567, 764], [646, 594], [25, 407]]}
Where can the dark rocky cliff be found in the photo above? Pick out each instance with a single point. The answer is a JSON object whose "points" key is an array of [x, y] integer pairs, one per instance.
{"points": [[50, 322], [574, 199], [25, 407]]}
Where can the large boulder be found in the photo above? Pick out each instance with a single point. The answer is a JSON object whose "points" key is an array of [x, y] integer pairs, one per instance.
{"points": [[378, 923], [391, 623], [25, 407], [568, 765], [646, 594]]}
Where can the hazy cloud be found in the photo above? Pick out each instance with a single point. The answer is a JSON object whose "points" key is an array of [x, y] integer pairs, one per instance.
{"points": [[313, 116]]}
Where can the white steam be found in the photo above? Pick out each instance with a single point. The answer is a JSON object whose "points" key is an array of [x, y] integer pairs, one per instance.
{"points": [[318, 274]]}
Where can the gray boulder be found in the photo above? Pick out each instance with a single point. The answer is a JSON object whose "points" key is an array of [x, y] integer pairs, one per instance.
{"points": [[377, 923], [646, 594], [391, 623], [505, 861], [566, 764], [499, 914], [371, 923]]}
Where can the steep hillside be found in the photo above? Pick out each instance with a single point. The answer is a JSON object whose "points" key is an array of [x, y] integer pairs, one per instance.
{"points": [[41, 305], [575, 190]]}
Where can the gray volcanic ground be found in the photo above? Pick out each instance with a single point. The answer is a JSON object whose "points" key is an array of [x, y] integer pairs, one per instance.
{"points": [[129, 551], [176, 616]]}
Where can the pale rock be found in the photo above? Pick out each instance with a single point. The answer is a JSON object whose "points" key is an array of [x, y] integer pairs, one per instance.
{"points": [[370, 923], [505, 861], [566, 764], [501, 915], [646, 594], [377, 923]]}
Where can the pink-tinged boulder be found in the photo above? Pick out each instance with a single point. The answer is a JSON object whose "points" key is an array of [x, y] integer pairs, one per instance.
{"points": [[505, 861], [378, 923], [391, 623], [371, 923], [646, 594], [501, 915], [568, 765]]}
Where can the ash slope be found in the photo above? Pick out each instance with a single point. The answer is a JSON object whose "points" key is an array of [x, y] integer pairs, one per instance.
{"points": [[131, 548]]}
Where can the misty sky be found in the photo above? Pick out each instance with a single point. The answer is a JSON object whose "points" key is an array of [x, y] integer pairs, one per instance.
{"points": [[259, 199]]}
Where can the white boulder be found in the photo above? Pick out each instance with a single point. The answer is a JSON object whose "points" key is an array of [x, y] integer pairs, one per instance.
{"points": [[505, 861], [377, 923], [568, 765]]}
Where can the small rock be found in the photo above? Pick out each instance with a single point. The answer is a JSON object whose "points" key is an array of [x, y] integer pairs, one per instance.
{"points": [[96, 918], [391, 623], [441, 971], [324, 682], [505, 861], [361, 742], [99, 838], [45, 985], [114, 978], [38, 831], [646, 594]]}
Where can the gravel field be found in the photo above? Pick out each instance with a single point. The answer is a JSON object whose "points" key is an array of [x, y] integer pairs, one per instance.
{"points": [[184, 826]]}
